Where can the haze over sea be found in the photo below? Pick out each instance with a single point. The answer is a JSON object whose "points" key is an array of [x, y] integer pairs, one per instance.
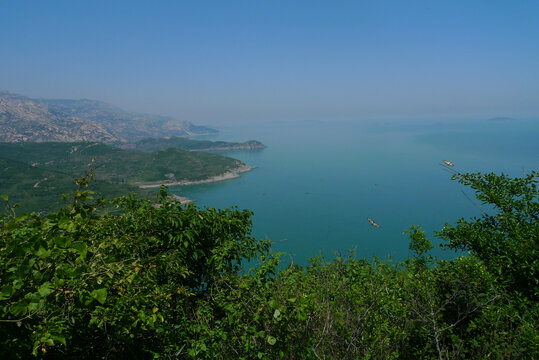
{"points": [[317, 182]]}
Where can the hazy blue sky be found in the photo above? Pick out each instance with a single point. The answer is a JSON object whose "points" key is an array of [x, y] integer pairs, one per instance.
{"points": [[217, 61]]}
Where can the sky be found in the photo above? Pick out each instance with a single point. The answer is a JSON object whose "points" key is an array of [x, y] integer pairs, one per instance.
{"points": [[216, 62]]}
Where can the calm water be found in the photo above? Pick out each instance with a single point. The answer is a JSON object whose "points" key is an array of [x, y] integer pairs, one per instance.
{"points": [[316, 183]]}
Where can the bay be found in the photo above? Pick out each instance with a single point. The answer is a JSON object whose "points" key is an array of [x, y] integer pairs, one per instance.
{"points": [[317, 182]]}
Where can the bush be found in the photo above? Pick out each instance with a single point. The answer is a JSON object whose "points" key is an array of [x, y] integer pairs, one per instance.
{"points": [[80, 283], [506, 240], [162, 280]]}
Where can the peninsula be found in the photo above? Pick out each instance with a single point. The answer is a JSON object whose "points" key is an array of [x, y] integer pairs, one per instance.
{"points": [[50, 142], [176, 142], [39, 173], [228, 175]]}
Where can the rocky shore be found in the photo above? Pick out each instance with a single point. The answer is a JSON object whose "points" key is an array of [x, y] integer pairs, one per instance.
{"points": [[231, 174]]}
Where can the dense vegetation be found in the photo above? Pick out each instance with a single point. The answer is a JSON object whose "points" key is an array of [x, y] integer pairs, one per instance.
{"points": [[116, 165], [35, 174], [40, 190], [171, 281]]}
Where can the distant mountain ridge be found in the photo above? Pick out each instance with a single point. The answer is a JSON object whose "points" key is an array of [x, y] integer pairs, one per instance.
{"points": [[24, 119]]}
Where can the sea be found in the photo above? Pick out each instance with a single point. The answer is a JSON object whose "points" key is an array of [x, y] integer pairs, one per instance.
{"points": [[317, 182]]}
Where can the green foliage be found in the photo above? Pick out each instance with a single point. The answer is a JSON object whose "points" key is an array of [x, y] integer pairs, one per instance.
{"points": [[115, 165], [37, 174], [77, 283], [40, 190], [169, 281], [506, 240], [420, 245]]}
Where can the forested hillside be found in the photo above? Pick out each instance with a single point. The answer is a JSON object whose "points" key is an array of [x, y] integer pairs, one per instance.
{"points": [[36, 174], [174, 281], [40, 190]]}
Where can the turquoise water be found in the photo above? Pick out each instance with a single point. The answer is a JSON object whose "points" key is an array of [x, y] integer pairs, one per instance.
{"points": [[317, 182]]}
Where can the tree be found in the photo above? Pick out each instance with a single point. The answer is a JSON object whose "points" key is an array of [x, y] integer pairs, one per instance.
{"points": [[132, 279], [506, 238], [84, 283]]}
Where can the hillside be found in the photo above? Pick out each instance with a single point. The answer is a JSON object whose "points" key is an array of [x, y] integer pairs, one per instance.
{"points": [[40, 190], [25, 119], [54, 165], [153, 144], [115, 165]]}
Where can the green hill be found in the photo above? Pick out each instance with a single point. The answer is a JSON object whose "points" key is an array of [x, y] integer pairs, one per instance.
{"points": [[40, 190], [119, 166], [53, 167]]}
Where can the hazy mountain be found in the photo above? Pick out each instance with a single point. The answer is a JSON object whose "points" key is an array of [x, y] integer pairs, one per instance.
{"points": [[25, 119]]}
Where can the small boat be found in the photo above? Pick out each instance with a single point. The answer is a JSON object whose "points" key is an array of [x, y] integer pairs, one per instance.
{"points": [[448, 163], [373, 223]]}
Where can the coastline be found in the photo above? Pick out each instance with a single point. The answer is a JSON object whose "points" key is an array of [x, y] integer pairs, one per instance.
{"points": [[232, 148], [230, 174]]}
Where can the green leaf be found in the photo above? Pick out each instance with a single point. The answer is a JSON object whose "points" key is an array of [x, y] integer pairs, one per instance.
{"points": [[35, 347], [76, 272], [61, 241], [271, 340], [4, 196], [64, 223], [34, 303], [45, 289], [6, 292], [80, 247], [100, 295], [42, 252], [59, 339], [276, 314], [19, 308]]}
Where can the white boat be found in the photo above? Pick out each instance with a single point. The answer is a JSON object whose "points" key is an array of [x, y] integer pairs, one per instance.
{"points": [[373, 223], [448, 163]]}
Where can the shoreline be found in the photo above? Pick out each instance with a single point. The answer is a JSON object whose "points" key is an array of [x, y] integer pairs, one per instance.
{"points": [[231, 148], [229, 175]]}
